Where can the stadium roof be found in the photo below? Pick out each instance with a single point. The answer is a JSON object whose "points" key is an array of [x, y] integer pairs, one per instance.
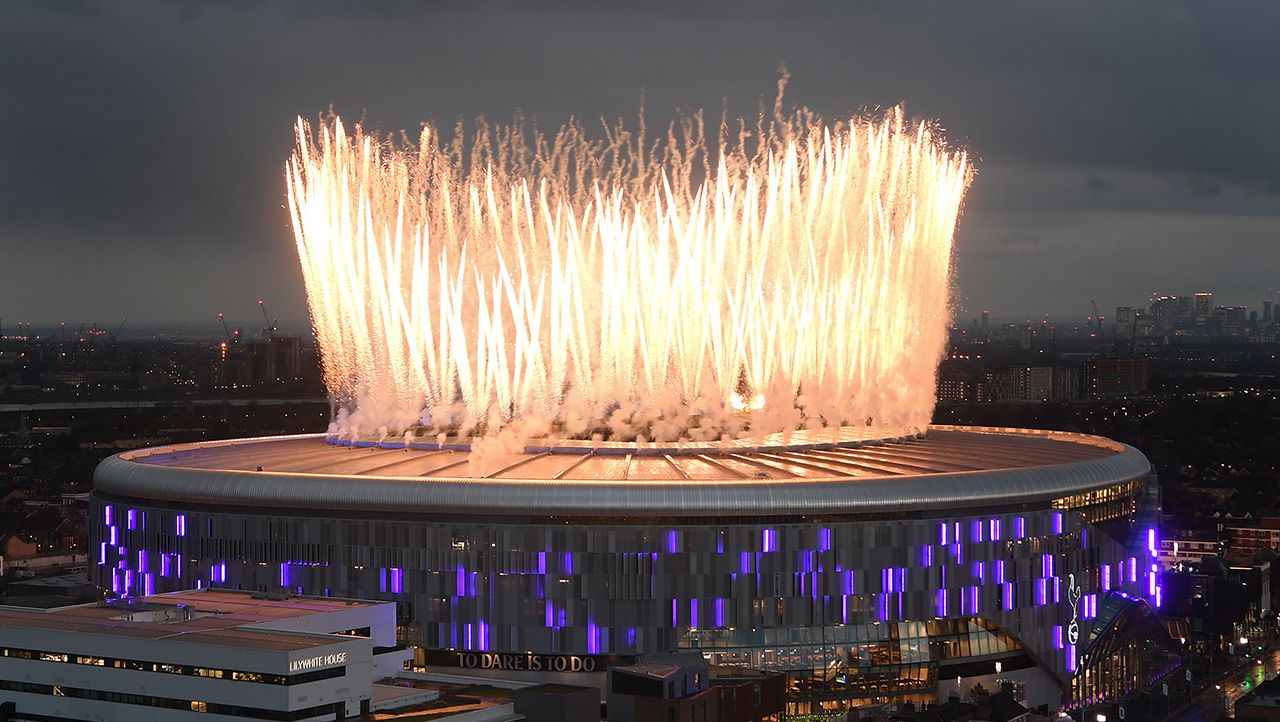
{"points": [[945, 468]]}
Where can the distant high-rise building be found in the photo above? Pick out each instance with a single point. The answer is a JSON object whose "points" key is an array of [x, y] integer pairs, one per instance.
{"points": [[1266, 312], [1126, 319], [1229, 320], [1165, 313], [1204, 306], [986, 322], [1109, 377]]}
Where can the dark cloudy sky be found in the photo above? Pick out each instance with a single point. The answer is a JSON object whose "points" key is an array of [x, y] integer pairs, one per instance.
{"points": [[1122, 148]]}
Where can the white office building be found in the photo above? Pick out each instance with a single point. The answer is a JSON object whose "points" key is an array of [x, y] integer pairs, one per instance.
{"points": [[207, 655]]}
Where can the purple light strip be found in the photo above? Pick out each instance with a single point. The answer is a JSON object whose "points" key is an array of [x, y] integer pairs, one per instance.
{"points": [[180, 525], [824, 540], [1056, 521], [1019, 527], [397, 580], [131, 519], [940, 602], [942, 534], [995, 530]]}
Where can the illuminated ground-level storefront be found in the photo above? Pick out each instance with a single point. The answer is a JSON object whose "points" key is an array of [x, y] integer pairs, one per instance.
{"points": [[898, 570]]}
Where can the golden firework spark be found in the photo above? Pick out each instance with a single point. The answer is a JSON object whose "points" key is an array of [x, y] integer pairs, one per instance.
{"points": [[789, 273]]}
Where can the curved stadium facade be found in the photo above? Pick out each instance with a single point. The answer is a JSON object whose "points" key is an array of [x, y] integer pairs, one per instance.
{"points": [[867, 570]]}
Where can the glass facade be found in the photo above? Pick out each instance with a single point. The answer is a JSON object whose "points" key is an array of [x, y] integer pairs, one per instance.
{"points": [[857, 607]]}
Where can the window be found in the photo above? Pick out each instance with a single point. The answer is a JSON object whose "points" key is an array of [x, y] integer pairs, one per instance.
{"points": [[52, 657], [199, 706]]}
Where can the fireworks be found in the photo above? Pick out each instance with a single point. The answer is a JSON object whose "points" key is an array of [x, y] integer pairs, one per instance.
{"points": [[784, 273]]}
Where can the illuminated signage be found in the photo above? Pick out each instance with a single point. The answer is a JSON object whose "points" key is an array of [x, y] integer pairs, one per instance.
{"points": [[323, 660], [527, 662], [524, 662], [1073, 596]]}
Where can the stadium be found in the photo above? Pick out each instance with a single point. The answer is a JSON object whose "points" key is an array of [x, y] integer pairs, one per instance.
{"points": [[868, 569]]}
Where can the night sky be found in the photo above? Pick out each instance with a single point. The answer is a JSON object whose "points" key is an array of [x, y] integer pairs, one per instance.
{"points": [[1122, 148]]}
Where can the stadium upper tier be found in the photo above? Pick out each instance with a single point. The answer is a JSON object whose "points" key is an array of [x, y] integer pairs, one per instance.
{"points": [[944, 469]]}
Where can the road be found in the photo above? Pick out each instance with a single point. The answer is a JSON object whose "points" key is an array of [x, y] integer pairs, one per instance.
{"points": [[1218, 698]]}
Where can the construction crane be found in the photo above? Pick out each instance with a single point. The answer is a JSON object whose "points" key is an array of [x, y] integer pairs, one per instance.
{"points": [[271, 323], [115, 336], [226, 330], [1097, 318]]}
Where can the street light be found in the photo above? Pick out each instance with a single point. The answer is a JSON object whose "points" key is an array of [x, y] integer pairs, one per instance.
{"points": [[1101, 717]]}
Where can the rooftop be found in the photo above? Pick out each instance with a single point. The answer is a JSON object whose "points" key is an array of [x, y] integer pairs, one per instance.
{"points": [[814, 473], [218, 617], [941, 450]]}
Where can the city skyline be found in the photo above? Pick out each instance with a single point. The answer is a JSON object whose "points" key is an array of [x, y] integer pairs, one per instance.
{"points": [[1124, 148]]}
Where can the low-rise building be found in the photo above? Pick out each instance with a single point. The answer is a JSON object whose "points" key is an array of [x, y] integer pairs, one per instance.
{"points": [[1174, 553], [207, 655], [1260, 705], [682, 686]]}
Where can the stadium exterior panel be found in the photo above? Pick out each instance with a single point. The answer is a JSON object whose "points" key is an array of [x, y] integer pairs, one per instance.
{"points": [[867, 569]]}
